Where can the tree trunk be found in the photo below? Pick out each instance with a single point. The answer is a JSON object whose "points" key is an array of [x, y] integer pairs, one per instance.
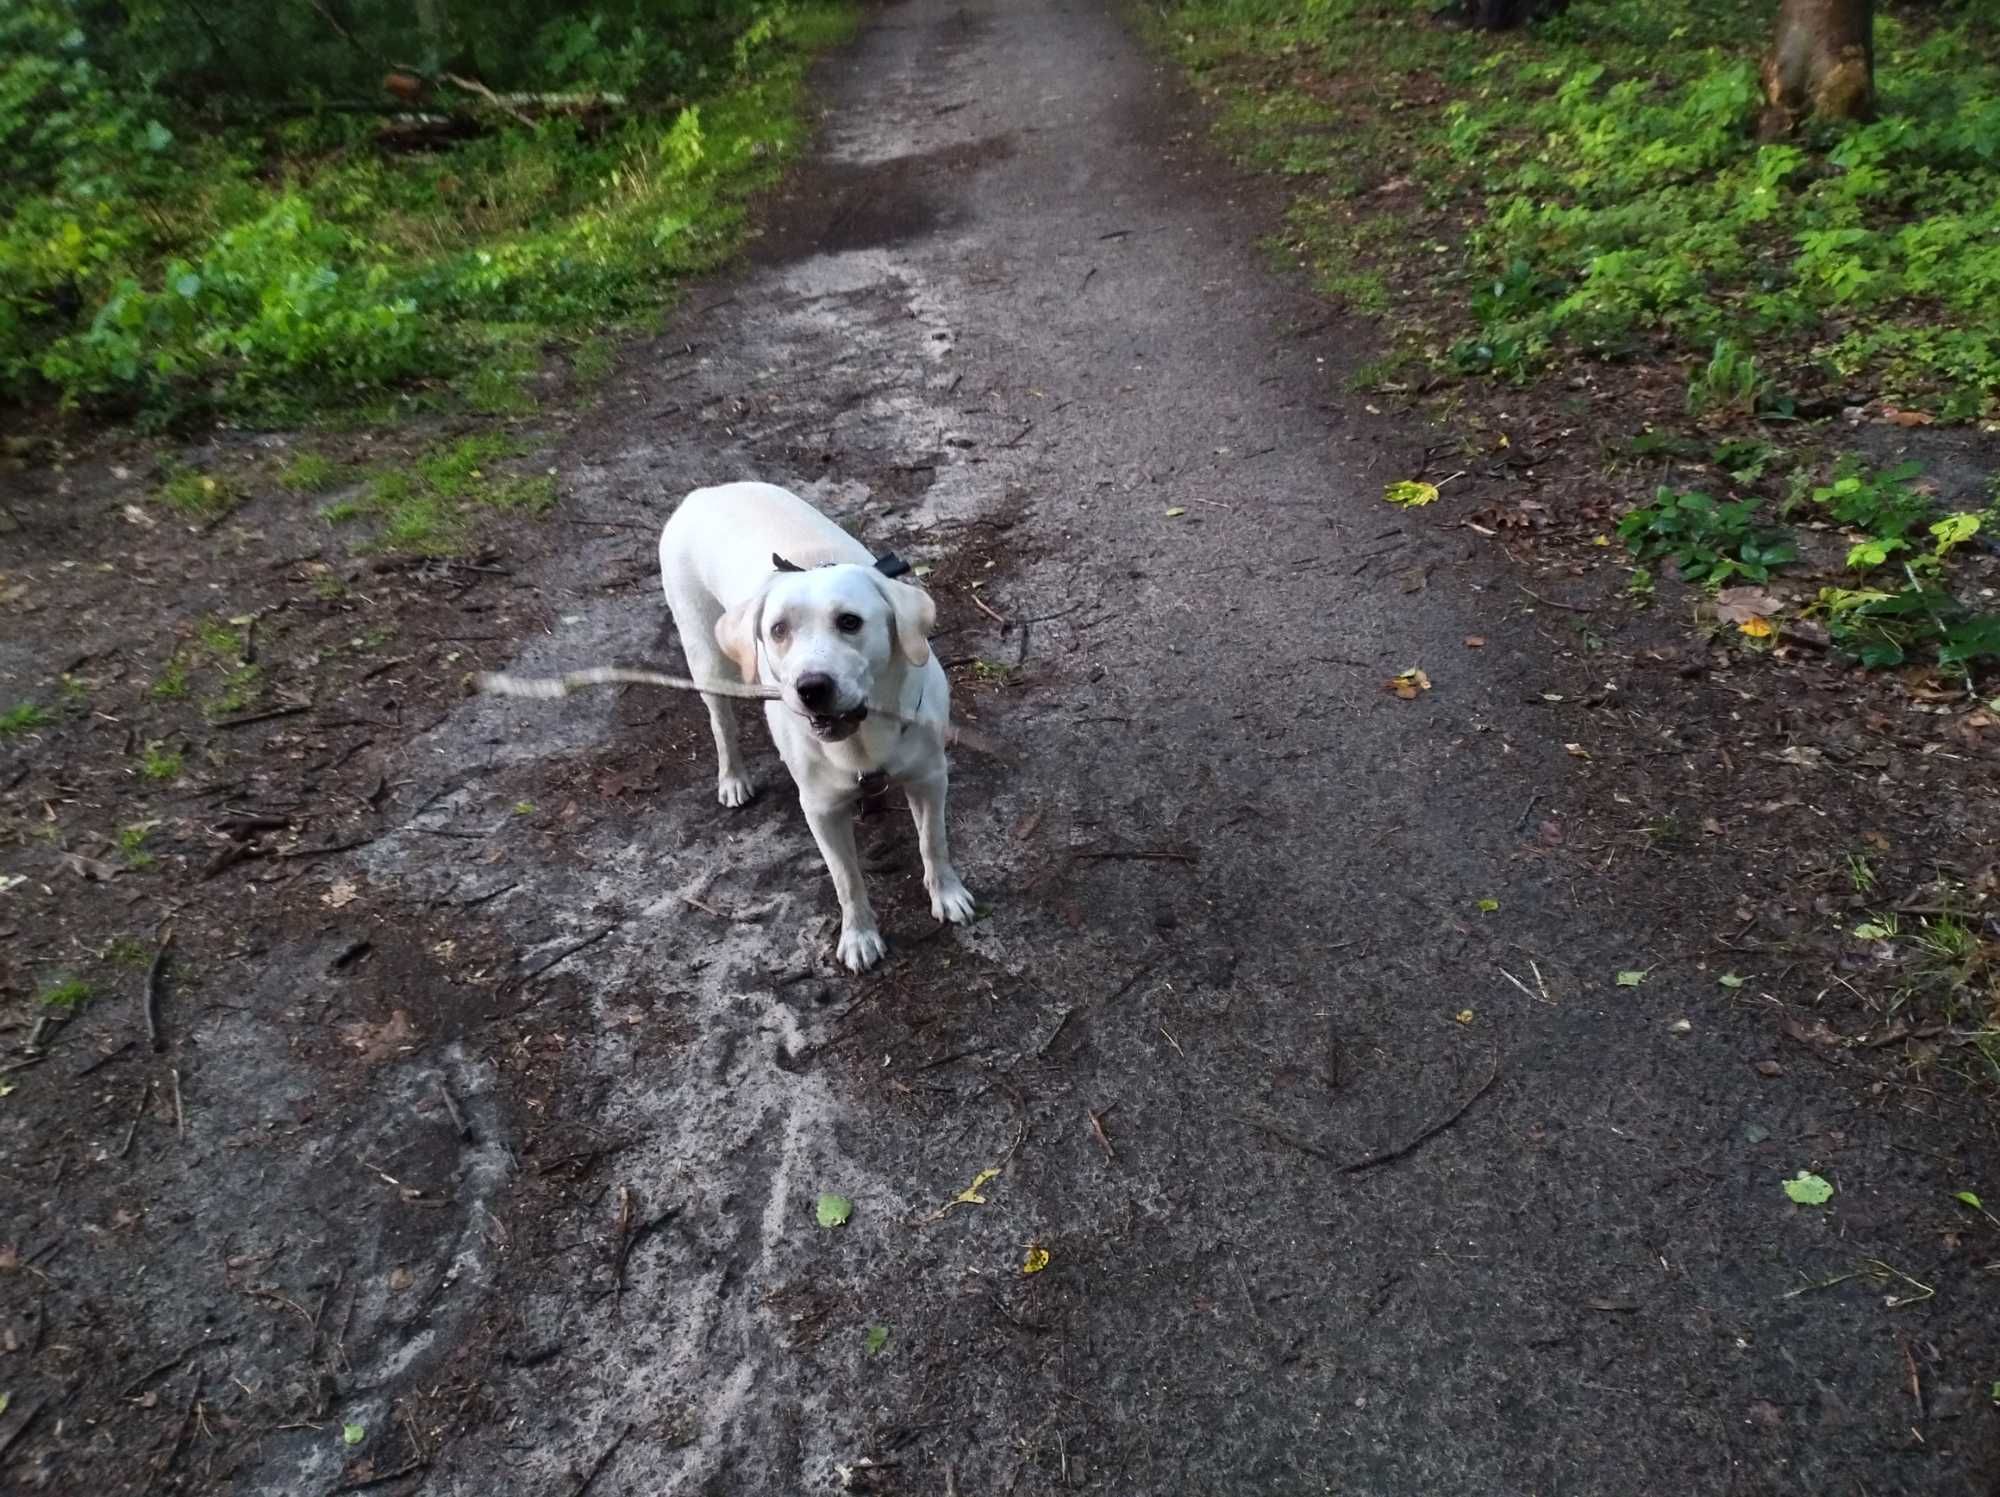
{"points": [[1821, 63]]}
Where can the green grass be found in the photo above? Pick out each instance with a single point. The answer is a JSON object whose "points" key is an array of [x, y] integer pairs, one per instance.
{"points": [[309, 473], [428, 507], [132, 844], [592, 361], [160, 762], [1582, 189], [198, 496], [240, 685], [172, 683], [67, 993], [128, 951], [295, 270], [24, 717], [219, 639]]}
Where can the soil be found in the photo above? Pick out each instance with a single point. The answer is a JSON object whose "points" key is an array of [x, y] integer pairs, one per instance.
{"points": [[499, 1072]]}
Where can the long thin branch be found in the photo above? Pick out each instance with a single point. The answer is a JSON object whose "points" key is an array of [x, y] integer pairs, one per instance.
{"points": [[549, 688]]}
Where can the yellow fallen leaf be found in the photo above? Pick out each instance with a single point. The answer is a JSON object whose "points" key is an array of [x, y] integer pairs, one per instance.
{"points": [[1464, 1016], [1406, 684], [1037, 1260], [970, 1196], [1176, 512], [1409, 493], [1758, 627], [1600, 540]]}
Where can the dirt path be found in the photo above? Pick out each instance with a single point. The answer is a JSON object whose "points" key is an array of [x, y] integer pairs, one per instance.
{"points": [[1011, 324]]}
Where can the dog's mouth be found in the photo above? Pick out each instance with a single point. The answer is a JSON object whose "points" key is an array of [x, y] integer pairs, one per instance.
{"points": [[833, 728]]}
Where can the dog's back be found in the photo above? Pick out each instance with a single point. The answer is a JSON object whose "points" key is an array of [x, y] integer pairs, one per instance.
{"points": [[720, 541]]}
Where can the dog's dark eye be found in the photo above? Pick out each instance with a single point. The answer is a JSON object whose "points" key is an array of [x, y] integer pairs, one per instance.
{"points": [[780, 631], [848, 623]]}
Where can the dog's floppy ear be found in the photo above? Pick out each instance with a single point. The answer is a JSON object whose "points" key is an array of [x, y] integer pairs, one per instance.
{"points": [[911, 617], [736, 633]]}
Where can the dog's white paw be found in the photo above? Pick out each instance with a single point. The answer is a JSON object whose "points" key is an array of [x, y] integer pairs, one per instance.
{"points": [[861, 949], [952, 901], [734, 790]]}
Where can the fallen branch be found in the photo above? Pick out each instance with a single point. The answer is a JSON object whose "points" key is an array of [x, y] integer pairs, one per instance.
{"points": [[1392, 1155]]}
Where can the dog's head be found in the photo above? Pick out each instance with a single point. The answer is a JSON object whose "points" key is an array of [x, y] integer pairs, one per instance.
{"points": [[826, 637]]}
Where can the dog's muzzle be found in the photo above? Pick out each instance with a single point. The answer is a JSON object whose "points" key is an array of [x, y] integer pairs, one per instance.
{"points": [[832, 729]]}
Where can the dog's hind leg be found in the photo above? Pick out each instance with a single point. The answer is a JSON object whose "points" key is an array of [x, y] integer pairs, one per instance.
{"points": [[706, 662], [950, 899]]}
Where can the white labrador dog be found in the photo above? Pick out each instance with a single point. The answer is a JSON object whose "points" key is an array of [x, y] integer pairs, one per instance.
{"points": [[835, 635]]}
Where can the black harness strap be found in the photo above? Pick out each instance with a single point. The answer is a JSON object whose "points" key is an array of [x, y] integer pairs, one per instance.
{"points": [[889, 564]]}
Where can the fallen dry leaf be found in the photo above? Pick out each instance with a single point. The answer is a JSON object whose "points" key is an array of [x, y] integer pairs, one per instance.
{"points": [[1475, 641], [342, 893], [88, 869], [1739, 605], [379, 1042]]}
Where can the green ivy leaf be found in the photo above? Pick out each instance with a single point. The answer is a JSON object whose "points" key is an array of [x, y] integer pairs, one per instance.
{"points": [[353, 1434], [1631, 978], [1969, 1199], [833, 1210], [1808, 1189], [1730, 980]]}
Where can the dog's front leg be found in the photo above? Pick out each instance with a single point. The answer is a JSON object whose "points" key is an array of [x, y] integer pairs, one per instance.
{"points": [[861, 944], [950, 899]]}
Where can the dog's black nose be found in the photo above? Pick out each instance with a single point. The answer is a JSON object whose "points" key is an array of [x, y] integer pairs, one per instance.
{"points": [[815, 691]]}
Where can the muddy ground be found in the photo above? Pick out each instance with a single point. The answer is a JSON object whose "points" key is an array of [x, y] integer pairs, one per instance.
{"points": [[498, 1072]]}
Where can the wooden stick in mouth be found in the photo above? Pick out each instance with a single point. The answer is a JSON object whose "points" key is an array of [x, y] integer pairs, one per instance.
{"points": [[549, 688]]}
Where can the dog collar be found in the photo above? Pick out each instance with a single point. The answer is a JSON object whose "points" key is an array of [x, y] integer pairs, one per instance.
{"points": [[889, 564]]}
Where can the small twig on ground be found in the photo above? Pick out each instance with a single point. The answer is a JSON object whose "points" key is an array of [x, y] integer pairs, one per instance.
{"points": [[180, 1117], [1283, 1136], [8, 1440], [290, 709], [137, 1385], [152, 998], [105, 1059], [1390, 1156], [981, 604], [328, 849], [458, 1121], [603, 1460], [1097, 1128], [1124, 987], [363, 1483], [1552, 603], [138, 1114], [1527, 811], [570, 950]]}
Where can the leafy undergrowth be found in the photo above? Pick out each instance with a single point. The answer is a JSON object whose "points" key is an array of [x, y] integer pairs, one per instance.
{"points": [[1584, 212], [165, 257], [1618, 199]]}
